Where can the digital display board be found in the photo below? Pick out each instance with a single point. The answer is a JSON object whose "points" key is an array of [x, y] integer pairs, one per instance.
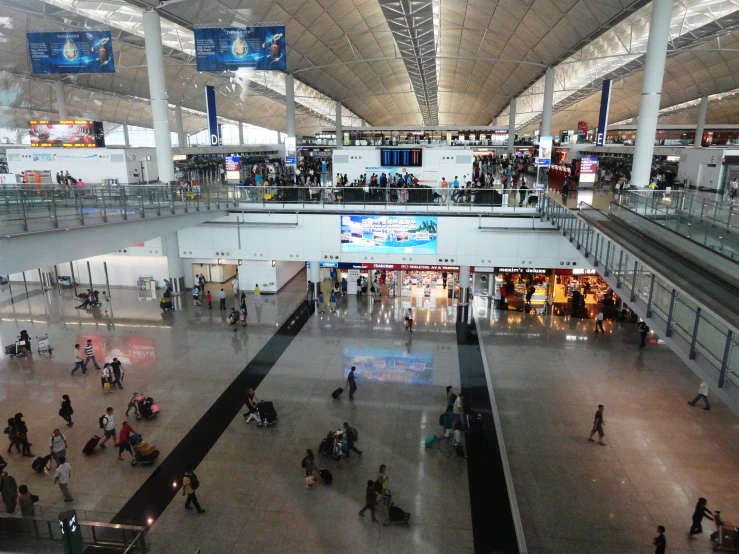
{"points": [[71, 52], [73, 133], [401, 157], [228, 49], [588, 170], [388, 234]]}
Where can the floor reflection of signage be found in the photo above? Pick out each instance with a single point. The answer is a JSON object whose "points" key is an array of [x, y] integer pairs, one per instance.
{"points": [[142, 350], [130, 350], [400, 366]]}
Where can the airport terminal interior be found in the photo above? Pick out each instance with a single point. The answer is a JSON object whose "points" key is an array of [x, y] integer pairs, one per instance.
{"points": [[377, 276]]}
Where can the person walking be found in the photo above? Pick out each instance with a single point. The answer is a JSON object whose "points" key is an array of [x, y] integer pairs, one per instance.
{"points": [[251, 404], [455, 439], [222, 298], [459, 409], [106, 378], [62, 475], [117, 370], [190, 484], [598, 424], [201, 282], [235, 286], [13, 438], [702, 393], [66, 410], [333, 302], [351, 436], [89, 355], [599, 322], [309, 464], [124, 442], [351, 382], [320, 300], [660, 541], [132, 404], [698, 514], [209, 300], [21, 435], [58, 446], [643, 331], [109, 427], [79, 361], [26, 501], [370, 500], [8, 491], [195, 295], [409, 320]]}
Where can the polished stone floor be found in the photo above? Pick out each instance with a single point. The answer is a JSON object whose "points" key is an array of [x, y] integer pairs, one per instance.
{"points": [[549, 375]]}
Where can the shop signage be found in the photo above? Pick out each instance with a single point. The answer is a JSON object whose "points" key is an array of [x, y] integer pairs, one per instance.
{"points": [[534, 270], [575, 271], [392, 267], [179, 157], [228, 49], [210, 109]]}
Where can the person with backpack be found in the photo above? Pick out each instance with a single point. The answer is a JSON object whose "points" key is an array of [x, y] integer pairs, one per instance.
{"points": [[351, 436], [190, 484], [107, 424], [332, 307], [58, 446], [643, 331]]}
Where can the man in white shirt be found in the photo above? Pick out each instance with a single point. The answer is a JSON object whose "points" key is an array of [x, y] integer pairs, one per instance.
{"points": [[702, 393], [222, 299], [599, 322], [63, 472], [109, 427], [459, 408], [58, 446]]}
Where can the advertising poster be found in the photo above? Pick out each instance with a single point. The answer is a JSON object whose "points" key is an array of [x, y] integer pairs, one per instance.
{"points": [[233, 168], [545, 151], [228, 49], [75, 52], [588, 170], [388, 234], [707, 139], [290, 151], [389, 365], [76, 133]]}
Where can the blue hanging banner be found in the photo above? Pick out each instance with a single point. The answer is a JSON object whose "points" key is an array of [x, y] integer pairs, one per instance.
{"points": [[210, 108], [71, 52], [605, 106], [228, 49]]}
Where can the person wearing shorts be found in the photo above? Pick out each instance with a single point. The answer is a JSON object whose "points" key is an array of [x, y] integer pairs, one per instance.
{"points": [[58, 446], [124, 444], [109, 427], [598, 424]]}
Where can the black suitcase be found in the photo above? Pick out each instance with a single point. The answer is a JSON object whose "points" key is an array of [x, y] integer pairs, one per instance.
{"points": [[325, 475], [40, 463], [267, 413], [91, 445], [337, 393]]}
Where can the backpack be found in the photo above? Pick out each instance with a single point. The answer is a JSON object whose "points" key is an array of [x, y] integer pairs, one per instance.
{"points": [[354, 433], [194, 483], [102, 421]]}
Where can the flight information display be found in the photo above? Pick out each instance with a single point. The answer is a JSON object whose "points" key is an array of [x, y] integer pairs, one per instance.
{"points": [[401, 157]]}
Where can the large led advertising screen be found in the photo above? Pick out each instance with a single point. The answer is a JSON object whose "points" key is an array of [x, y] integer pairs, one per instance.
{"points": [[381, 234], [228, 49], [71, 52], [75, 133]]}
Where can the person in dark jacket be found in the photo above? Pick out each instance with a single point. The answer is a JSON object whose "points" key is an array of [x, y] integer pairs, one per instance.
{"points": [[370, 500], [660, 541], [700, 512], [66, 410]]}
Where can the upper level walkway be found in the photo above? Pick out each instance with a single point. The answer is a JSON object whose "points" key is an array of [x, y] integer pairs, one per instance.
{"points": [[687, 292]]}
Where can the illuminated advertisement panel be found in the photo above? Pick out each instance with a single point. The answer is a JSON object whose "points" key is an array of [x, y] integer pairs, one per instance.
{"points": [[73, 133], [71, 52], [388, 234], [228, 49]]}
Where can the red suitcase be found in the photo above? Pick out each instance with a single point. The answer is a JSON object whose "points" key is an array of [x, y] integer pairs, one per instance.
{"points": [[91, 445]]}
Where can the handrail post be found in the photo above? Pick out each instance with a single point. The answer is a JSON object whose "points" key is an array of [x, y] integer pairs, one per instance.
{"points": [[633, 282], [651, 293], [618, 271], [23, 211], [105, 212], [124, 204], [143, 210], [725, 359], [608, 258], [691, 355], [668, 328]]}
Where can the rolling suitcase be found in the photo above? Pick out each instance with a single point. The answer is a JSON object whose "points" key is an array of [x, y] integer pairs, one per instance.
{"points": [[325, 474], [267, 413], [337, 393], [91, 445]]}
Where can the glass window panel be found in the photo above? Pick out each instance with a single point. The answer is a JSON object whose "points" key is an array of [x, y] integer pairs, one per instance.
{"points": [[711, 339]]}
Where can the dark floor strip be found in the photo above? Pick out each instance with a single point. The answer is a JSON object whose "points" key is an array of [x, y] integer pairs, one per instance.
{"points": [[493, 529], [157, 492]]}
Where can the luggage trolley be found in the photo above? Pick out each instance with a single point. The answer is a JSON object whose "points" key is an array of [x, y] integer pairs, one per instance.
{"points": [[44, 346]]}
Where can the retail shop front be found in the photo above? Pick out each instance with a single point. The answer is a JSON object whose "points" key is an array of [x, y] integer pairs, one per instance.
{"points": [[405, 280]]}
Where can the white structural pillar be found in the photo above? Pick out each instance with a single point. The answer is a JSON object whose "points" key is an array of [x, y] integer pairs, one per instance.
{"points": [[464, 284], [158, 93], [654, 69], [241, 133], [315, 277], [126, 141], [702, 113], [339, 126], [61, 100], [175, 271], [18, 135], [181, 138], [290, 105], [546, 112], [512, 126]]}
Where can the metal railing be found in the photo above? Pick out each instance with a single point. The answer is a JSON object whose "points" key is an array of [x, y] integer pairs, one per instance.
{"points": [[708, 222], [701, 336], [126, 538]]}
